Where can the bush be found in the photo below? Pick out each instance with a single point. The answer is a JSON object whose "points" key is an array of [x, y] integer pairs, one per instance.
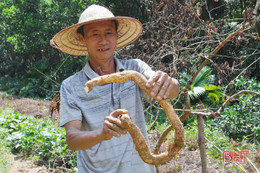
{"points": [[240, 120], [5, 159], [39, 139]]}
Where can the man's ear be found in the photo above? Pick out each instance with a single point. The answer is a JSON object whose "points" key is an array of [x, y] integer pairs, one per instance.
{"points": [[81, 38]]}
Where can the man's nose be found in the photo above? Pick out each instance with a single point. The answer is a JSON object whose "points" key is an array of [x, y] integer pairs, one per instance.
{"points": [[102, 39]]}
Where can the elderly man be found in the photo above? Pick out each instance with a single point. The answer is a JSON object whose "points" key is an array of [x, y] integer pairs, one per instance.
{"points": [[91, 119]]}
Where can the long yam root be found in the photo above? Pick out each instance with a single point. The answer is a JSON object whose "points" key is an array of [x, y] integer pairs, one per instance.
{"points": [[134, 131]]}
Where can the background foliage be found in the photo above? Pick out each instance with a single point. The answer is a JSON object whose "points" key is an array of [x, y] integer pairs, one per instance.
{"points": [[30, 67], [241, 120], [38, 139], [178, 35], [176, 39]]}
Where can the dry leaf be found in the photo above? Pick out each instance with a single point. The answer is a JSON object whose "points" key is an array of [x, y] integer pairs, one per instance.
{"points": [[185, 38], [198, 11]]}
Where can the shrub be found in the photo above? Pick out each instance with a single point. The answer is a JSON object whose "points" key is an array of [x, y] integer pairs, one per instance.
{"points": [[39, 139], [240, 120]]}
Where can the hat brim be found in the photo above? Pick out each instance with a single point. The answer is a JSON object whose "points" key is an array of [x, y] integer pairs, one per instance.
{"points": [[129, 29]]}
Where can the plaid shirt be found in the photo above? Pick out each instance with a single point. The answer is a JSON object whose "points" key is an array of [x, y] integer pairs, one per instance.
{"points": [[117, 155]]}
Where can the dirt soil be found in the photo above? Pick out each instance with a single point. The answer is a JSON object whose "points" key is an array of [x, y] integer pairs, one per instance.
{"points": [[23, 165], [185, 162]]}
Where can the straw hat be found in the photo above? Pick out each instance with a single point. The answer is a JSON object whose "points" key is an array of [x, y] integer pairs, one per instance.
{"points": [[129, 29]]}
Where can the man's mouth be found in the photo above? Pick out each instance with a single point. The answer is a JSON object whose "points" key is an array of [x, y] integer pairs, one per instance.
{"points": [[103, 50]]}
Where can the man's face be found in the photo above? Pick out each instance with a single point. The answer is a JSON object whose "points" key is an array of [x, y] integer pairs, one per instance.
{"points": [[100, 39]]}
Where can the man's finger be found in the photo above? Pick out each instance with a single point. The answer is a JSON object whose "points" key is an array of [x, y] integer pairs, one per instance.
{"points": [[153, 79], [164, 89], [160, 86], [108, 131], [118, 112], [114, 124], [115, 121], [168, 91]]}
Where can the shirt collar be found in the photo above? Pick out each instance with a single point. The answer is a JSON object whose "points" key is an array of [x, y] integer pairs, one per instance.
{"points": [[119, 65], [92, 74]]}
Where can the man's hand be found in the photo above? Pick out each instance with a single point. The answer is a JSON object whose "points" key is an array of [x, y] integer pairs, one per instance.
{"points": [[163, 86], [112, 125], [81, 140]]}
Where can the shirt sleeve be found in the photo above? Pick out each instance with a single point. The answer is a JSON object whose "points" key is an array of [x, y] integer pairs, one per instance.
{"points": [[69, 111], [145, 69]]}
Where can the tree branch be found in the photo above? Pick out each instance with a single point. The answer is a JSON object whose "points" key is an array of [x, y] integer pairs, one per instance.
{"points": [[211, 114], [231, 36], [221, 109]]}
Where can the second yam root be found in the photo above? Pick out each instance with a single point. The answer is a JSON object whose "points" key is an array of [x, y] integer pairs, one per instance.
{"points": [[137, 136]]}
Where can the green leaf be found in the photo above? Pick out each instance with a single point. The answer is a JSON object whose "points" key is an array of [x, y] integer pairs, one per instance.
{"points": [[47, 2], [201, 78], [211, 87], [213, 97]]}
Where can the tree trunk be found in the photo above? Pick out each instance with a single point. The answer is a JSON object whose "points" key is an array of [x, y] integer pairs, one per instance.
{"points": [[201, 142]]}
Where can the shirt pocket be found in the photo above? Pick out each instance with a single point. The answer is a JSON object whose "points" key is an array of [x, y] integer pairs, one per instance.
{"points": [[96, 102]]}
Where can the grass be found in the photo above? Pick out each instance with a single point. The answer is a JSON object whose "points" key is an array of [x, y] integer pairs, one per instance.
{"points": [[216, 144], [4, 94], [41, 140], [37, 139], [6, 160]]}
